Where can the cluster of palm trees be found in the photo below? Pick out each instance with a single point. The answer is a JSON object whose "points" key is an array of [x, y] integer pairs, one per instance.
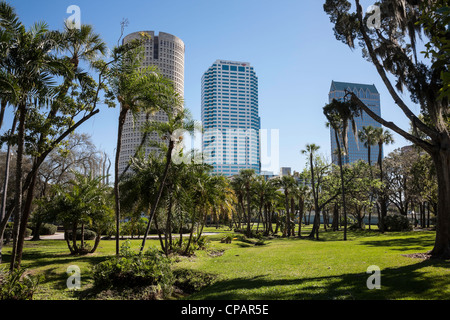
{"points": [[43, 84]]}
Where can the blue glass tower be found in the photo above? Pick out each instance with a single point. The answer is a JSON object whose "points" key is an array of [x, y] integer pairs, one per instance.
{"points": [[369, 95], [231, 123]]}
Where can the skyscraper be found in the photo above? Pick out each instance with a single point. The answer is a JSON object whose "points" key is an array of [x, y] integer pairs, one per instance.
{"points": [[369, 95], [165, 51], [231, 123]]}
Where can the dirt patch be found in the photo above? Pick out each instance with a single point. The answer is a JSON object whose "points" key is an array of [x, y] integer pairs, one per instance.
{"points": [[215, 253], [423, 256]]}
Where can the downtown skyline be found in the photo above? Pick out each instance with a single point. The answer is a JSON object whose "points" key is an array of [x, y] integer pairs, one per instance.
{"points": [[295, 53]]}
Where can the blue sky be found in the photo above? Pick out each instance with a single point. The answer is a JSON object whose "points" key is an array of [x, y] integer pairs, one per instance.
{"points": [[290, 44]]}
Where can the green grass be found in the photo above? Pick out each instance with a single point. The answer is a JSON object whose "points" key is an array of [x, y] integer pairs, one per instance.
{"points": [[281, 269]]}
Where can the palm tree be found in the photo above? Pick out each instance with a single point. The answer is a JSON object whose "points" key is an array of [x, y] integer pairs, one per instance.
{"points": [[247, 176], [84, 200], [310, 150], [179, 122], [138, 90], [288, 184], [301, 193], [28, 69], [264, 192], [382, 137], [339, 114], [368, 136], [80, 45]]}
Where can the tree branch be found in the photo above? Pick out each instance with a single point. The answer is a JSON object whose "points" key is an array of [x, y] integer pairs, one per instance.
{"points": [[411, 116]]}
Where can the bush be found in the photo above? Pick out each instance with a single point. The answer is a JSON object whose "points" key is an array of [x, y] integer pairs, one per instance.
{"points": [[17, 285], [397, 222], [134, 270], [47, 229], [88, 234], [7, 234], [227, 239]]}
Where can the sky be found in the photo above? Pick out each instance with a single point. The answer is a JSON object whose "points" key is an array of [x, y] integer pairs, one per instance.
{"points": [[290, 44]]}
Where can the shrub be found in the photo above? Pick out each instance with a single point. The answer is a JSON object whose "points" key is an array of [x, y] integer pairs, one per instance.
{"points": [[397, 222], [134, 270], [47, 229], [17, 285], [7, 234], [227, 239], [88, 234]]}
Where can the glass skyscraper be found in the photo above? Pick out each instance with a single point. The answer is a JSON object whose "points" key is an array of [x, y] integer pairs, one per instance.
{"points": [[231, 123], [369, 95]]}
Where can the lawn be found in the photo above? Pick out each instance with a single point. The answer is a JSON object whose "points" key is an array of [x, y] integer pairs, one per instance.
{"points": [[282, 268]]}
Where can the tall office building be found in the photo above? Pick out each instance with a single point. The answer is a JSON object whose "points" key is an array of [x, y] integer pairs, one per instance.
{"points": [[369, 95], [165, 51], [231, 123]]}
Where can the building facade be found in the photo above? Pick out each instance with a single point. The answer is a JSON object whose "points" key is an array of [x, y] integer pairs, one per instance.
{"points": [[369, 95], [166, 52], [230, 117]]}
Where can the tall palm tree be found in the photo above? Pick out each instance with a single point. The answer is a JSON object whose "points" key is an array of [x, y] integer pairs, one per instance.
{"points": [[265, 192], [382, 137], [301, 193], [78, 45], [288, 184], [247, 176], [339, 114], [179, 122], [368, 136], [138, 90], [30, 65], [311, 150]]}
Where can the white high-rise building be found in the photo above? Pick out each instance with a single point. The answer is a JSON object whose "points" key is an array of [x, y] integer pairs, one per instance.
{"points": [[231, 123], [165, 51]]}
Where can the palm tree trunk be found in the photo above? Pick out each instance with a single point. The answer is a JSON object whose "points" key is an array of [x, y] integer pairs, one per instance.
{"points": [[24, 219], [18, 184], [249, 231], [3, 218], [2, 111], [342, 186], [300, 216], [161, 189], [122, 117]]}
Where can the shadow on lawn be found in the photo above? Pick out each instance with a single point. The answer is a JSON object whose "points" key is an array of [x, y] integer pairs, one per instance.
{"points": [[410, 242], [396, 283]]}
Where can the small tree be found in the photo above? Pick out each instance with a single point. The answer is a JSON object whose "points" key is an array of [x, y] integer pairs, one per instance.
{"points": [[85, 202]]}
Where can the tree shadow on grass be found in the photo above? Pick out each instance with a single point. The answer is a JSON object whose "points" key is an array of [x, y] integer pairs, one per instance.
{"points": [[418, 242], [396, 283]]}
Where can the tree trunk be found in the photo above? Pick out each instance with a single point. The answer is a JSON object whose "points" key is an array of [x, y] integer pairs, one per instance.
{"points": [[18, 184], [161, 189], [249, 231], [3, 218], [186, 250], [442, 163], [25, 217], [344, 206], [97, 241], [122, 117]]}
